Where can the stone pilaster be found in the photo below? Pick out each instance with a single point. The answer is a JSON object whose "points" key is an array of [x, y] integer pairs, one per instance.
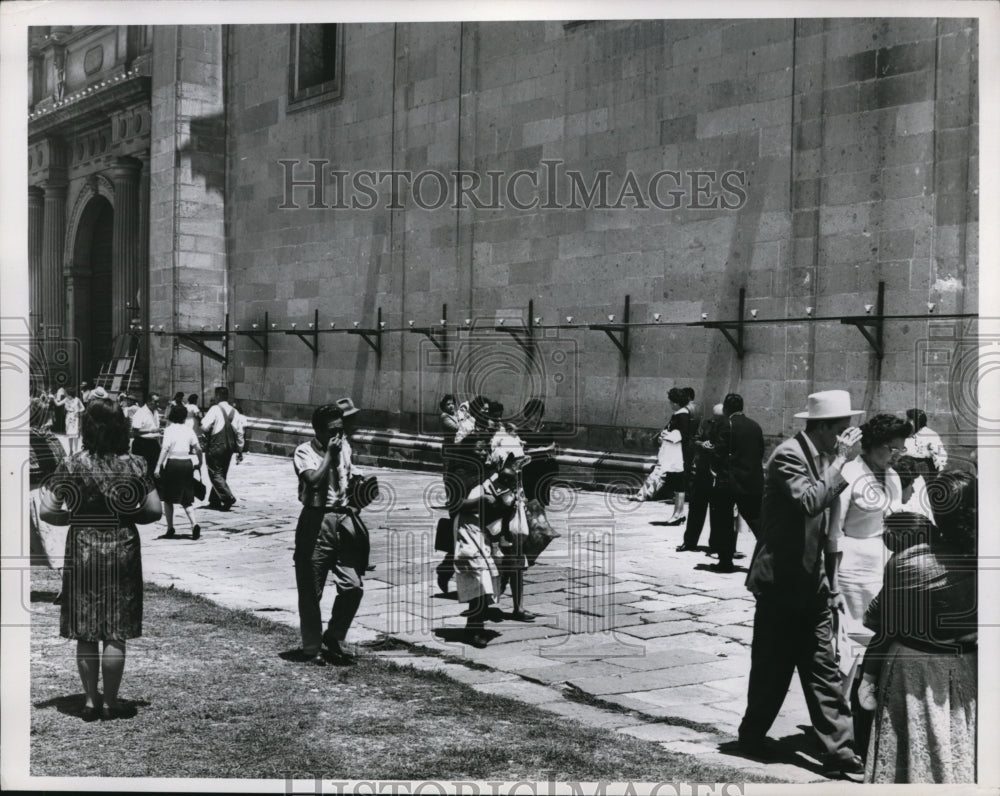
{"points": [[53, 244], [126, 260], [36, 215]]}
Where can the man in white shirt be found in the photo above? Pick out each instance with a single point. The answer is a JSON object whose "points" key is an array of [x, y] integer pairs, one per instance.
{"points": [[330, 538], [146, 432], [223, 427]]}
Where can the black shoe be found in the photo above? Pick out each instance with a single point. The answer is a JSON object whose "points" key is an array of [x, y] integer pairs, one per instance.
{"points": [[523, 616], [169, 534], [686, 548], [678, 521], [336, 648], [762, 748], [303, 656], [725, 567], [850, 768], [196, 532]]}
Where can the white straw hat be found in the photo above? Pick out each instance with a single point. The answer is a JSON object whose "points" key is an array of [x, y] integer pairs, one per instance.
{"points": [[828, 405]]}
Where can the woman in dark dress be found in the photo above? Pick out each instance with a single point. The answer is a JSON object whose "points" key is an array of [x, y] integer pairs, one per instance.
{"points": [[101, 493], [925, 618], [678, 433]]}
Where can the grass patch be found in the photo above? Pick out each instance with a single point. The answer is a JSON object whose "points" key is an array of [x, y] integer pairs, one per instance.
{"points": [[215, 700]]}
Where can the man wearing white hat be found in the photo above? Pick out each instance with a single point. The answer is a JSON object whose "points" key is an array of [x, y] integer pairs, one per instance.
{"points": [[789, 576]]}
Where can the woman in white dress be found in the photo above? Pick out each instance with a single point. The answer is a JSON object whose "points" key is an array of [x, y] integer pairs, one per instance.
{"points": [[857, 519]]}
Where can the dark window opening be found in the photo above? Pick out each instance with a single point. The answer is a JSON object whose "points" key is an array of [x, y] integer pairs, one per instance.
{"points": [[316, 63]]}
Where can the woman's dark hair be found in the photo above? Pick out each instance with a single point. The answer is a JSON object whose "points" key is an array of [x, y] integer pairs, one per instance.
{"points": [[178, 398], [906, 529], [479, 408], [323, 415], [882, 429], [534, 406], [443, 401], [954, 497], [907, 470], [104, 428], [678, 395], [193, 398], [918, 417], [177, 413]]}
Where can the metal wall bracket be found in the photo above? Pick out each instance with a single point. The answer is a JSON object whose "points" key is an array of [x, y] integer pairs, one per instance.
{"points": [[196, 342], [438, 336], [372, 336], [523, 335], [259, 338], [618, 332], [728, 328], [310, 338], [871, 326]]}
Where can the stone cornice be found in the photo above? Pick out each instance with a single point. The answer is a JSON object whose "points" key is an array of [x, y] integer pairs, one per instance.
{"points": [[89, 105]]}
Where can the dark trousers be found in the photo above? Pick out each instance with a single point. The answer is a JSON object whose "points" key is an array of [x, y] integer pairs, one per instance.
{"points": [[327, 542], [701, 491], [149, 449], [723, 524], [218, 469], [794, 631]]}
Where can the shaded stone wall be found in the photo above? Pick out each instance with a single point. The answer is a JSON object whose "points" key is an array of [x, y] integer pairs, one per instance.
{"points": [[187, 243], [856, 139]]}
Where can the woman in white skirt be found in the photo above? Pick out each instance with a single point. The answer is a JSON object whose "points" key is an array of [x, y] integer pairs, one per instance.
{"points": [[857, 520]]}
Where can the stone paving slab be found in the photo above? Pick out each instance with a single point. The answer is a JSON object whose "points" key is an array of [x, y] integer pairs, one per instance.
{"points": [[653, 679], [610, 576]]}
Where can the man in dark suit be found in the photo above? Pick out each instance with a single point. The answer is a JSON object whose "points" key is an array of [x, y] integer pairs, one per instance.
{"points": [[739, 480], [789, 576], [702, 479]]}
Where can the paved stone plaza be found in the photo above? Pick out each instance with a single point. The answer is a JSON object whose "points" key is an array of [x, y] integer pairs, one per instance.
{"points": [[656, 645]]}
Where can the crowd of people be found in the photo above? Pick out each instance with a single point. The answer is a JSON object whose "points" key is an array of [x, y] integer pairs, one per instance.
{"points": [[85, 505], [859, 530]]}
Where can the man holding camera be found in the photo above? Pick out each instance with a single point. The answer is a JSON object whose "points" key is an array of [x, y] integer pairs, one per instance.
{"points": [[790, 577], [330, 536]]}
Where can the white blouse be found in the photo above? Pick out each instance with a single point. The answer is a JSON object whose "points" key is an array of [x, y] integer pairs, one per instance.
{"points": [[860, 510], [179, 441]]}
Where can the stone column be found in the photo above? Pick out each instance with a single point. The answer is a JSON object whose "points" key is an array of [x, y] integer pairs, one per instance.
{"points": [[126, 244], [36, 214], [53, 243]]}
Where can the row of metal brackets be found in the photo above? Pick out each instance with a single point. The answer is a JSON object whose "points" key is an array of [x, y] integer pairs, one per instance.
{"points": [[871, 325]]}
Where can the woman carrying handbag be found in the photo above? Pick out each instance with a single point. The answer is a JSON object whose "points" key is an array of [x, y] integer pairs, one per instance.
{"points": [[175, 472]]}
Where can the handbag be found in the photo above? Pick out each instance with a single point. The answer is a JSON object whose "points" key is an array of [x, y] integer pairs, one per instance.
{"points": [[540, 532], [362, 491], [444, 536], [198, 486]]}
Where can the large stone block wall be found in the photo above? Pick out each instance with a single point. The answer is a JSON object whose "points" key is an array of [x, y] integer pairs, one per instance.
{"points": [[857, 138], [187, 253]]}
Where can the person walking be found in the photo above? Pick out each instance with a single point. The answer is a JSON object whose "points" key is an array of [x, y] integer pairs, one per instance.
{"points": [[223, 427], [175, 471], [739, 482], [789, 577], [194, 413], [101, 493], [146, 431], [702, 479]]}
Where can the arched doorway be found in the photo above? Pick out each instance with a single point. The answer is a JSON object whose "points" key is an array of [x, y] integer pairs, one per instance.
{"points": [[92, 308]]}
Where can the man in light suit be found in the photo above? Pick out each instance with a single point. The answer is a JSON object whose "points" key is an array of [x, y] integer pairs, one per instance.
{"points": [[793, 623]]}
